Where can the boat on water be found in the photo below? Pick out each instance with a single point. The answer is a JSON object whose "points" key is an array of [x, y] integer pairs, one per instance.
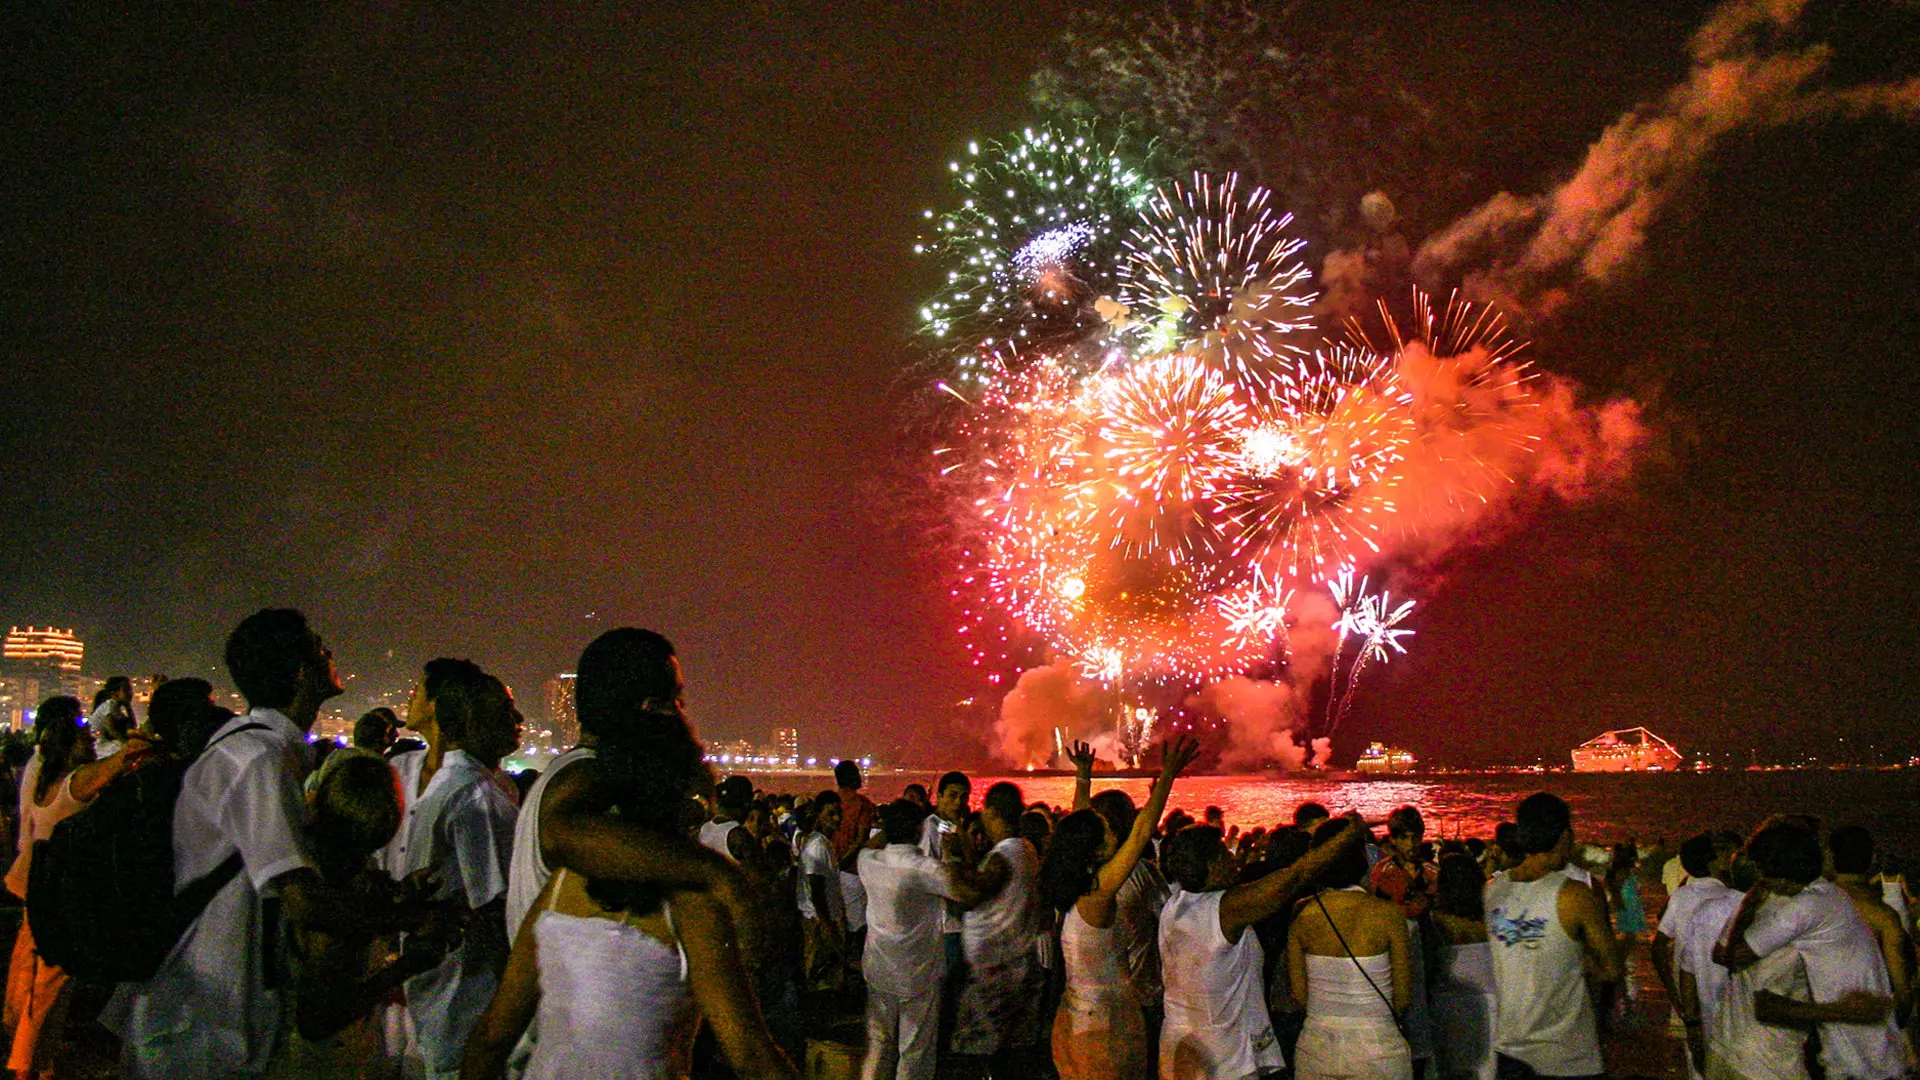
{"points": [[1626, 750], [1381, 759]]}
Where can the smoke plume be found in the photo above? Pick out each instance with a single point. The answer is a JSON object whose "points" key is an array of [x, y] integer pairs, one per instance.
{"points": [[1532, 254], [1051, 697]]}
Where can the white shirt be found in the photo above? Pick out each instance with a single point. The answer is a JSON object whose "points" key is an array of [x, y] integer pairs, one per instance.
{"points": [[816, 860], [208, 1012], [464, 828], [1822, 925], [1693, 949], [906, 899], [528, 873], [1002, 932], [1683, 903], [1738, 1044]]}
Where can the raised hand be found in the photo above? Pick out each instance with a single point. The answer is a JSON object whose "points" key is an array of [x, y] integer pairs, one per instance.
{"points": [[1081, 754], [1177, 754]]}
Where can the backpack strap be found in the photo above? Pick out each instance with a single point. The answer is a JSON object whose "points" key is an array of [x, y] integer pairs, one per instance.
{"points": [[189, 902]]}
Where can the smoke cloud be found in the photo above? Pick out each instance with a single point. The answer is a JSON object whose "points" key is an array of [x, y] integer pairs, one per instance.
{"points": [[1053, 696], [1532, 254], [1260, 718]]}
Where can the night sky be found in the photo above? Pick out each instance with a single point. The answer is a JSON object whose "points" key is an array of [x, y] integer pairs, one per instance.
{"points": [[476, 331]]}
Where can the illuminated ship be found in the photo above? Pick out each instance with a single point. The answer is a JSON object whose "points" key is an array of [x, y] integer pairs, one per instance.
{"points": [[1628, 750], [1384, 759]]}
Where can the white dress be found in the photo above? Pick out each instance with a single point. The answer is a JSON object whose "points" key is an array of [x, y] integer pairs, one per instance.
{"points": [[1462, 1008], [615, 1003], [1099, 1032], [1350, 1033]]}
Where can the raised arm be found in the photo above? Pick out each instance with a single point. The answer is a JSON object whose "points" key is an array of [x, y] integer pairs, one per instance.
{"points": [[1174, 760], [575, 832], [88, 780], [722, 990], [1732, 951], [1082, 757], [1244, 905]]}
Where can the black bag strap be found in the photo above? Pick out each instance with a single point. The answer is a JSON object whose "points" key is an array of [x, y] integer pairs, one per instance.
{"points": [[189, 902], [1398, 1021]]}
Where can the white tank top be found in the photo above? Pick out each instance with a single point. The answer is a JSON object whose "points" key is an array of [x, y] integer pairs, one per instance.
{"points": [[1093, 959], [1338, 986], [36, 823], [527, 874], [713, 835], [1546, 1018], [1216, 1021], [592, 971]]}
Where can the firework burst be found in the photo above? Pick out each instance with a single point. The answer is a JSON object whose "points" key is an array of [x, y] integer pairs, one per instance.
{"points": [[1217, 269]]}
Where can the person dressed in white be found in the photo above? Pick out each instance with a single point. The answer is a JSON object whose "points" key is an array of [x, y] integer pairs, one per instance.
{"points": [[999, 1007], [1705, 862], [1099, 1032], [211, 1012], [1350, 960], [907, 894], [1216, 1025], [823, 913], [620, 975], [733, 799], [112, 718], [1463, 997], [415, 769], [1548, 933], [1852, 999], [464, 831]]}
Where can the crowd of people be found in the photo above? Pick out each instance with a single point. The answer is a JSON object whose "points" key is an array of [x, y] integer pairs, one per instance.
{"points": [[403, 907]]}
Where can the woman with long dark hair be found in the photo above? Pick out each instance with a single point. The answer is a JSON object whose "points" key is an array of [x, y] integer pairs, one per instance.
{"points": [[61, 780], [591, 949], [1099, 1032]]}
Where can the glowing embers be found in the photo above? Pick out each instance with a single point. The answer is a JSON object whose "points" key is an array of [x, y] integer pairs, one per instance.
{"points": [[1222, 273]]}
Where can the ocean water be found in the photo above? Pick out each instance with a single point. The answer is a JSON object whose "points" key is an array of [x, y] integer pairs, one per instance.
{"points": [[1646, 807]]}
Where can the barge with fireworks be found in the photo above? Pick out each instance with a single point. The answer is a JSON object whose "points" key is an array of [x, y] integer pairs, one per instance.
{"points": [[1626, 750]]}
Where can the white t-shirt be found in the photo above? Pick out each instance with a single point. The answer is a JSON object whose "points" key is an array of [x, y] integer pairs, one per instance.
{"points": [[816, 860], [1684, 902], [1822, 925], [906, 898], [1693, 948], [465, 828], [528, 873], [1738, 1044], [208, 1011], [1002, 932]]}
